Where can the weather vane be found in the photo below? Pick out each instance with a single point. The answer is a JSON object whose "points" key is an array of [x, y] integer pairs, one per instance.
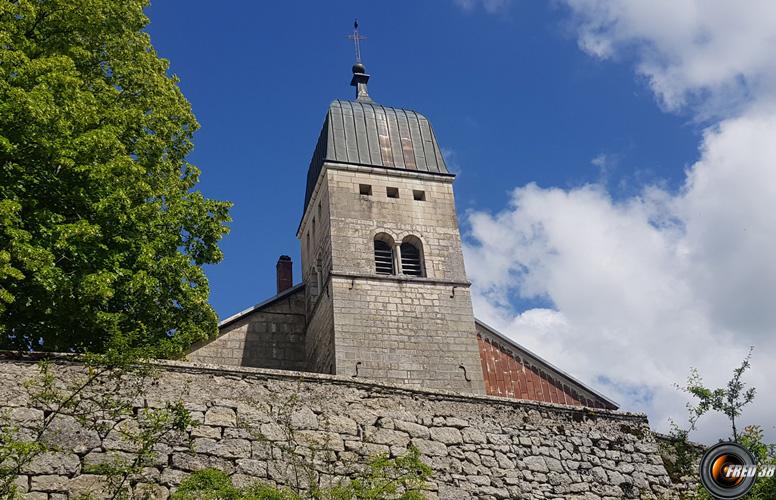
{"points": [[356, 37]]}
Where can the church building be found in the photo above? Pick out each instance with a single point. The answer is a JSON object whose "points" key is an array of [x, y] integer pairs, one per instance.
{"points": [[384, 295]]}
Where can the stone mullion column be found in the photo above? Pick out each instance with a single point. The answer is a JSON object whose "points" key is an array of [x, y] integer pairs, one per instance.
{"points": [[397, 258]]}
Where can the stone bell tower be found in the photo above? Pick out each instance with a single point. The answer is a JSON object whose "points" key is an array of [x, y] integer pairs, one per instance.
{"points": [[387, 298]]}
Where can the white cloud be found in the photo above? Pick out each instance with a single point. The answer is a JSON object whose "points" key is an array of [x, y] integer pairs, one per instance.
{"points": [[451, 161], [605, 163], [491, 6], [716, 53], [645, 287]]}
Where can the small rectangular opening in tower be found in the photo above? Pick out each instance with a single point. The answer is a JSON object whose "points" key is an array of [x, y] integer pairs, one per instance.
{"points": [[365, 189], [419, 195], [392, 192]]}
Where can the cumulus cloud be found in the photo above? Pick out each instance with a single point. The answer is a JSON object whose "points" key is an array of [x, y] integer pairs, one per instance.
{"points": [[645, 287], [713, 53]]}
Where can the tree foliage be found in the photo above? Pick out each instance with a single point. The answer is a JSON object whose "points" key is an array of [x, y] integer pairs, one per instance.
{"points": [[102, 233], [98, 399], [729, 400]]}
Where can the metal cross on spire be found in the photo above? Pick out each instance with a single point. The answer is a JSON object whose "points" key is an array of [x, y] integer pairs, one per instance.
{"points": [[356, 37], [360, 77]]}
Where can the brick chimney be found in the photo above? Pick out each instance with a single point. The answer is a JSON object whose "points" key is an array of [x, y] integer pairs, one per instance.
{"points": [[285, 273]]}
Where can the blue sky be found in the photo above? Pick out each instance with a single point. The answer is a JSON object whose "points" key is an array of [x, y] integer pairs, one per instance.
{"points": [[510, 96], [617, 179]]}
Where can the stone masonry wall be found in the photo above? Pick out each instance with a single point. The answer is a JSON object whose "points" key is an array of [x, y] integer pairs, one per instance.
{"points": [[478, 446], [272, 336], [406, 331], [400, 329], [315, 239], [319, 343], [356, 219]]}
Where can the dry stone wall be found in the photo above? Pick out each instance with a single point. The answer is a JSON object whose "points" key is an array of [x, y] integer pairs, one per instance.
{"points": [[478, 446]]}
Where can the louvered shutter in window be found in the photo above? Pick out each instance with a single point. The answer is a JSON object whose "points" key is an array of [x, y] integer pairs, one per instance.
{"points": [[410, 260], [383, 258]]}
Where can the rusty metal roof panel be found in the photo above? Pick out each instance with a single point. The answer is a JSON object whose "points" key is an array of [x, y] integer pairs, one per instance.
{"points": [[373, 141], [362, 143], [365, 133], [393, 134]]}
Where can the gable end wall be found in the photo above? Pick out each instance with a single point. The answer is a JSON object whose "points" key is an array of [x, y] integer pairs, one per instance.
{"points": [[272, 336]]}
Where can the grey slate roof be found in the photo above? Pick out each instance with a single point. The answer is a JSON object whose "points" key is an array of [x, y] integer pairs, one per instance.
{"points": [[365, 133]]}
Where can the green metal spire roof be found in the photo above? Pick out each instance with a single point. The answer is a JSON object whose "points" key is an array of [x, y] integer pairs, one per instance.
{"points": [[364, 133]]}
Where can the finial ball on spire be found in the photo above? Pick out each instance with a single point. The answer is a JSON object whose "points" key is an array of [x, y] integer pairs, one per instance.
{"points": [[359, 71]]}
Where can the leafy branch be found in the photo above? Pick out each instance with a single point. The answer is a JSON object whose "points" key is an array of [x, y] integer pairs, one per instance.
{"points": [[102, 401], [729, 400]]}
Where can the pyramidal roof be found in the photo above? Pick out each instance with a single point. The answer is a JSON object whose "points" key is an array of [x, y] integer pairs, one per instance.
{"points": [[362, 132]]}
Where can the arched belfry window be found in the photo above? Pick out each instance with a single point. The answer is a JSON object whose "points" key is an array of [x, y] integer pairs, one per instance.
{"points": [[412, 257], [384, 255]]}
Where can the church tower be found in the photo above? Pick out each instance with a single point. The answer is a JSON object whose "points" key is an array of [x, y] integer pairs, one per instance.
{"points": [[386, 293]]}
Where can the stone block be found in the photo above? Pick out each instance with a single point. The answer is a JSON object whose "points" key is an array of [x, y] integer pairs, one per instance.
{"points": [[225, 448], [429, 447], [456, 422], [535, 464], [367, 449], [321, 440], [49, 483], [388, 437], [150, 491], [35, 495], [122, 437], [413, 429], [446, 435], [472, 435], [341, 425], [172, 477], [504, 462], [237, 433], [22, 483], [221, 416], [65, 433], [274, 432], [26, 417], [191, 462], [96, 458], [206, 431], [252, 467], [89, 486], [304, 418], [52, 462]]}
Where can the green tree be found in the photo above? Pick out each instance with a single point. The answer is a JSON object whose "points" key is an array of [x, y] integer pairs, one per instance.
{"points": [[102, 233], [729, 400], [765, 454]]}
